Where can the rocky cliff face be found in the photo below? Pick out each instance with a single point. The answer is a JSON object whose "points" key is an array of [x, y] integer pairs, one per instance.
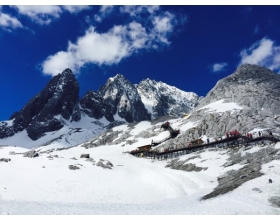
{"points": [[118, 101], [60, 96], [122, 99], [250, 85], [255, 92], [92, 104], [161, 99]]}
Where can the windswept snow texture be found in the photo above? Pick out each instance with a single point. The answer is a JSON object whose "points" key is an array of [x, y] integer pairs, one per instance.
{"points": [[45, 184], [221, 106]]}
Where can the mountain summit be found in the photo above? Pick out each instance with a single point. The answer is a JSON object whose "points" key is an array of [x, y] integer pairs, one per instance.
{"points": [[116, 102], [122, 100], [248, 98], [60, 96], [161, 99]]}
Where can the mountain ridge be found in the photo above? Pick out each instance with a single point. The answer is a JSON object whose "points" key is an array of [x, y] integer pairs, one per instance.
{"points": [[118, 101]]}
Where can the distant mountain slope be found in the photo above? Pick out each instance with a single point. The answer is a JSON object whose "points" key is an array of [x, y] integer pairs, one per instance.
{"points": [[122, 99], [161, 99], [247, 99], [57, 108], [59, 97]]}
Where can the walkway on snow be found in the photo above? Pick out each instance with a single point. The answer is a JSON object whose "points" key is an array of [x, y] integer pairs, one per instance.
{"points": [[227, 142]]}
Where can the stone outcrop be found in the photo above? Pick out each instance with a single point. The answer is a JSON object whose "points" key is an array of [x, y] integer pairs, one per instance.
{"points": [[73, 167], [275, 200], [251, 170], [104, 164], [5, 160], [31, 154]]}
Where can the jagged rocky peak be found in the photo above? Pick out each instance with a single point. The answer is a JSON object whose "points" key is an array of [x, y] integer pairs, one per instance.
{"points": [[251, 71], [162, 99], [59, 97], [93, 105], [122, 99], [248, 86], [255, 89]]}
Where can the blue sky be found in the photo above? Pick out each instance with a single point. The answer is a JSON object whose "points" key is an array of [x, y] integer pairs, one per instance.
{"points": [[190, 47]]}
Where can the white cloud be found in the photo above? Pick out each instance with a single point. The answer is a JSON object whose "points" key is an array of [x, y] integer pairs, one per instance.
{"points": [[264, 53], [119, 42], [54, 64], [258, 52], [41, 14], [45, 14], [104, 11], [136, 10], [163, 26], [219, 67], [8, 22], [75, 8]]}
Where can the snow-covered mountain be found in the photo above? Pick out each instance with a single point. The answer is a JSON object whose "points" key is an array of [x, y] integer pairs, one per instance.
{"points": [[161, 99], [123, 100], [248, 98], [56, 111], [101, 177], [98, 175]]}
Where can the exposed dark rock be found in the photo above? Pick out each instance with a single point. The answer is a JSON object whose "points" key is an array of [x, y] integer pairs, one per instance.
{"points": [[105, 138], [235, 178], [114, 124], [59, 97], [50, 157], [5, 160], [109, 164], [275, 200], [85, 156], [58, 103], [93, 105], [182, 165], [122, 98], [104, 166], [257, 190], [227, 164], [13, 115], [73, 167], [90, 160], [31, 154]]}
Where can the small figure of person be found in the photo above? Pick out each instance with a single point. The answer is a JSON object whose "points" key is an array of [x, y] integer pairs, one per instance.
{"points": [[227, 135]]}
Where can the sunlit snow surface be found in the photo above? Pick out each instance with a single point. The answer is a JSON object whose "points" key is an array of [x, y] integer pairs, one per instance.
{"points": [[65, 137], [221, 106], [134, 185]]}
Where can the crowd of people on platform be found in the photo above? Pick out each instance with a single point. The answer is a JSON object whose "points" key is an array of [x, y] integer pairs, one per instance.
{"points": [[233, 133]]}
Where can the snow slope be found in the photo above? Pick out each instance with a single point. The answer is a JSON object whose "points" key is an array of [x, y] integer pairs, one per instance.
{"points": [[73, 133], [133, 186], [221, 106]]}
